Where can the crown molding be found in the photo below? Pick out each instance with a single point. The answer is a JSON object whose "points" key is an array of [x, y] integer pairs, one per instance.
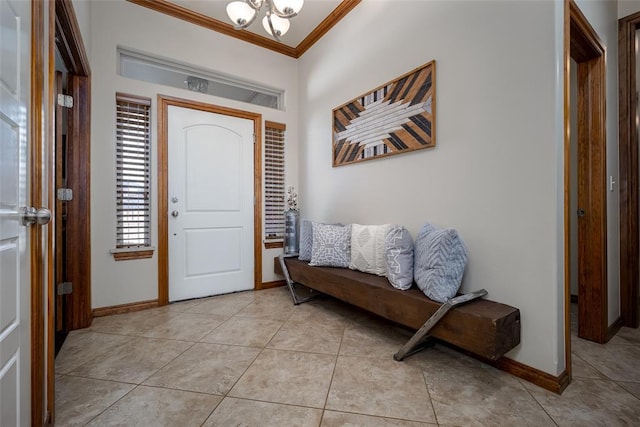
{"points": [[180, 12]]}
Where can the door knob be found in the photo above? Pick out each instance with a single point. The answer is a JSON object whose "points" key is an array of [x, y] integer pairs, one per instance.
{"points": [[174, 214], [31, 215]]}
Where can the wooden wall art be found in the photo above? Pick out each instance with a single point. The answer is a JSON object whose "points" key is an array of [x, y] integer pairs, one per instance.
{"points": [[397, 117]]}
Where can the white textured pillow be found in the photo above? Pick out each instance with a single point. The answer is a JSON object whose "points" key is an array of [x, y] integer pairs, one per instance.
{"points": [[367, 248]]}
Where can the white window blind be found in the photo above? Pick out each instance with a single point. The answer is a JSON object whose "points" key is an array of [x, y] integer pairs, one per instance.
{"points": [[133, 171], [274, 181]]}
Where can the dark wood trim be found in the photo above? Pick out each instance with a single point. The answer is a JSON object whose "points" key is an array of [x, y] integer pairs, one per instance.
{"points": [[79, 209], [125, 308], [164, 102], [36, 144], [628, 171], [614, 328], [533, 375], [274, 125], [52, 297], [172, 9], [69, 40], [126, 256], [328, 23], [274, 284], [587, 50], [273, 245]]}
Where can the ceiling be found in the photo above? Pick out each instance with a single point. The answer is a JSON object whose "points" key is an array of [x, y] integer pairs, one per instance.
{"points": [[313, 21]]}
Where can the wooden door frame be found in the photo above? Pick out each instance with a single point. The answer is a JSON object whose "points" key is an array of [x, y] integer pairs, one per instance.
{"points": [[62, 22], [628, 174], [582, 44], [164, 102]]}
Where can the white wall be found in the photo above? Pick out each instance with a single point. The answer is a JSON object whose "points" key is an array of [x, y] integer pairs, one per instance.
{"points": [[627, 7], [119, 23], [494, 174], [603, 18], [82, 9]]}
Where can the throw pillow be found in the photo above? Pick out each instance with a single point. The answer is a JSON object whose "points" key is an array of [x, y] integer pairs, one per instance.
{"points": [[398, 258], [331, 245], [367, 248], [306, 240], [440, 259]]}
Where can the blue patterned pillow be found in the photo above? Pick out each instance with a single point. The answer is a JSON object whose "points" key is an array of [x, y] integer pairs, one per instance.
{"points": [[331, 245], [398, 258], [440, 259]]}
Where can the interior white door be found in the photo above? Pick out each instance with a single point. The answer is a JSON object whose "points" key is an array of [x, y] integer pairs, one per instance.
{"points": [[15, 31], [210, 193]]}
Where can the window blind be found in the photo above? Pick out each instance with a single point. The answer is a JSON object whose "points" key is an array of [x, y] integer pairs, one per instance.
{"points": [[133, 171], [274, 181]]}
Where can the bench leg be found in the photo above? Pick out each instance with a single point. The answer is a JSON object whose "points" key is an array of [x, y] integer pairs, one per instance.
{"points": [[297, 300], [419, 336]]}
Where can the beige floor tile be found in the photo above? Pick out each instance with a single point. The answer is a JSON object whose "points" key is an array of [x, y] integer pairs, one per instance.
{"points": [[205, 368], [134, 324], [181, 306], [376, 339], [134, 361], [590, 402], [633, 388], [340, 419], [626, 336], [617, 362], [83, 346], [273, 308], [79, 400], [149, 406], [581, 369], [379, 387], [246, 331], [184, 327], [328, 311], [287, 377], [224, 305], [482, 396], [251, 413], [441, 356], [311, 336]]}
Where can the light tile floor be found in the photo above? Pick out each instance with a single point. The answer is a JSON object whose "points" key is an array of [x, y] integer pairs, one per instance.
{"points": [[255, 359]]}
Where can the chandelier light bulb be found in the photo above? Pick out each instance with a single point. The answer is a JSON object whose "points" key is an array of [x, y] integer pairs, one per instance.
{"points": [[240, 13], [288, 7], [280, 26]]}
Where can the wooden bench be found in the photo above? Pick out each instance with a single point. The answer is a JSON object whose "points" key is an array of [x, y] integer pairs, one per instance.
{"points": [[486, 328]]}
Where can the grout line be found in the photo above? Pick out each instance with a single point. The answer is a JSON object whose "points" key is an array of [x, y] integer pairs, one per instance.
{"points": [[521, 381], [426, 385]]}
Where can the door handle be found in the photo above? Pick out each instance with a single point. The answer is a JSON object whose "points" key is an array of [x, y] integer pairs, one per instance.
{"points": [[174, 214], [30, 216]]}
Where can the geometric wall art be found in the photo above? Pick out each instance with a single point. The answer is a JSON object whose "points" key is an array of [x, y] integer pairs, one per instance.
{"points": [[397, 117]]}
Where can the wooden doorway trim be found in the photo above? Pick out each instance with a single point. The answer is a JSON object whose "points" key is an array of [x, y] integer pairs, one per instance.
{"points": [[629, 186], [64, 33], [587, 50], [164, 102]]}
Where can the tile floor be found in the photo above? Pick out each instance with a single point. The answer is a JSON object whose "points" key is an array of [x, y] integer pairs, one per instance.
{"points": [[255, 359]]}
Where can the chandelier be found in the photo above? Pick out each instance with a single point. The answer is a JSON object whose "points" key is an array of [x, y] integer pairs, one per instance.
{"points": [[277, 14]]}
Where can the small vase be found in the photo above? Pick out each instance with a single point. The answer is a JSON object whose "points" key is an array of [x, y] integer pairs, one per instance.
{"points": [[291, 232]]}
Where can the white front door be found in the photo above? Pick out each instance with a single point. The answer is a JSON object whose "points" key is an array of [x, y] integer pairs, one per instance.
{"points": [[211, 200], [15, 382]]}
